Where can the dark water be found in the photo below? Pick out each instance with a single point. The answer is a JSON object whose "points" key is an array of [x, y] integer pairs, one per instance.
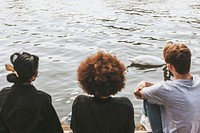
{"points": [[64, 32]]}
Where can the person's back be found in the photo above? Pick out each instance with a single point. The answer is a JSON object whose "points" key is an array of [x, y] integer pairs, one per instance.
{"points": [[94, 115], [181, 105], [178, 99], [24, 108], [102, 75], [29, 110]]}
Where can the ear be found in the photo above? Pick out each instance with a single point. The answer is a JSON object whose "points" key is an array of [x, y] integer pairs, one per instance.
{"points": [[34, 76], [170, 67]]}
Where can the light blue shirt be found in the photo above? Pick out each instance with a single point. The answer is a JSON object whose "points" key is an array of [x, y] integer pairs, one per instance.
{"points": [[180, 104]]}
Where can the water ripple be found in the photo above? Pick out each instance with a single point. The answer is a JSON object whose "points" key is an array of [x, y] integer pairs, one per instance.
{"points": [[63, 33]]}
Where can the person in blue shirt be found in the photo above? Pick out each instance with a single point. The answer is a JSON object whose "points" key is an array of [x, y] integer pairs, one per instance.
{"points": [[173, 106]]}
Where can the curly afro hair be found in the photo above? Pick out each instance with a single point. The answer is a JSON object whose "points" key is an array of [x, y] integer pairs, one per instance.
{"points": [[101, 74]]}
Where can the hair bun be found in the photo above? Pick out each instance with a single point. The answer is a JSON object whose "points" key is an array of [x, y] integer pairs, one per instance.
{"points": [[13, 57], [12, 78]]}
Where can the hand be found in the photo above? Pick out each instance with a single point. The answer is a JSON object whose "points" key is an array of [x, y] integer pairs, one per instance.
{"points": [[141, 85]]}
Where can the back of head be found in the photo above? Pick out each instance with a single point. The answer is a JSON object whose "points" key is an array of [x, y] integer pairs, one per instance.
{"points": [[101, 74], [25, 66], [179, 55]]}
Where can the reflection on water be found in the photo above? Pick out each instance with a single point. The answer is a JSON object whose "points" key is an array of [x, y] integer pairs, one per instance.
{"points": [[64, 32]]}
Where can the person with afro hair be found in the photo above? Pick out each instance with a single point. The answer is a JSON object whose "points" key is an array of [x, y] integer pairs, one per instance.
{"points": [[101, 76]]}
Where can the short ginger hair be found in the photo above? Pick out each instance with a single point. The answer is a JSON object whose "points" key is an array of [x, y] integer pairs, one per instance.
{"points": [[179, 55], [101, 74]]}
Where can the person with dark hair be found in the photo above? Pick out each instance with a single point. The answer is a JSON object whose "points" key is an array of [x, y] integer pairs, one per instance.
{"points": [[24, 108], [173, 106], [102, 75]]}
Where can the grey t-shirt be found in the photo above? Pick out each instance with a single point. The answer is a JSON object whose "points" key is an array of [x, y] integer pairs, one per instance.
{"points": [[180, 104]]}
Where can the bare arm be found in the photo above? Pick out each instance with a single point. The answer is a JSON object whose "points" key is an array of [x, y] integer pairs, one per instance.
{"points": [[138, 90]]}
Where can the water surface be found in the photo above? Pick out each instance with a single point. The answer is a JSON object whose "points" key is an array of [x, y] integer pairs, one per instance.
{"points": [[64, 32]]}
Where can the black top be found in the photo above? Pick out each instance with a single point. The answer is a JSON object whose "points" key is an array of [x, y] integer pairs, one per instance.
{"points": [[27, 110], [94, 115], [3, 127]]}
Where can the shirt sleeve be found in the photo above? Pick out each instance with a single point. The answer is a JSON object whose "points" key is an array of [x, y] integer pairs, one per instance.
{"points": [[155, 94]]}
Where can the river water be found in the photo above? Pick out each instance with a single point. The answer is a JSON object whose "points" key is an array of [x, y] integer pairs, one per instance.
{"points": [[64, 32]]}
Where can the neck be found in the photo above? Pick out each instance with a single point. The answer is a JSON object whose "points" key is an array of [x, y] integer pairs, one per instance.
{"points": [[26, 83], [101, 100], [182, 76], [103, 97]]}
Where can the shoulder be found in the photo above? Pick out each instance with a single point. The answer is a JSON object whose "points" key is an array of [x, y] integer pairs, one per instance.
{"points": [[81, 98], [42, 95], [123, 101], [45, 96], [6, 90]]}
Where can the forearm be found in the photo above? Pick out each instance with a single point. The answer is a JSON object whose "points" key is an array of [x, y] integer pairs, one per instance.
{"points": [[138, 90]]}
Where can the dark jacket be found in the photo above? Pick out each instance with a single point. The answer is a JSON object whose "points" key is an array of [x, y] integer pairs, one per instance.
{"points": [[27, 110], [3, 127]]}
